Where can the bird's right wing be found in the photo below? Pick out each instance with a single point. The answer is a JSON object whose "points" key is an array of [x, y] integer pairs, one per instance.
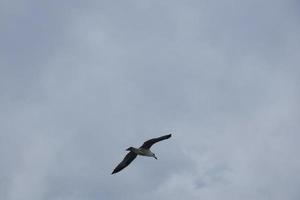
{"points": [[125, 162], [149, 143]]}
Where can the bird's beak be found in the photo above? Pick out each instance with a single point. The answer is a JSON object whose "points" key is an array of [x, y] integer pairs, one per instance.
{"points": [[155, 157]]}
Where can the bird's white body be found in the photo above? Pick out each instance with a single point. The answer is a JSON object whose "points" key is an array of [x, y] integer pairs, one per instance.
{"points": [[143, 152]]}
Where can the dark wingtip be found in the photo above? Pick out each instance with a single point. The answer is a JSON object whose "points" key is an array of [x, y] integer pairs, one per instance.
{"points": [[115, 171]]}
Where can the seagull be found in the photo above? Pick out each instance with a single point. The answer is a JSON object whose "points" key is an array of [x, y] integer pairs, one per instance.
{"points": [[144, 150]]}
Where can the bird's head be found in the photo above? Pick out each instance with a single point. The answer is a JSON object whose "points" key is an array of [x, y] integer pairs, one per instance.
{"points": [[154, 156]]}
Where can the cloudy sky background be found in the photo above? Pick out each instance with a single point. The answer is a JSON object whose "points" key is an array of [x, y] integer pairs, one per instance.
{"points": [[80, 81]]}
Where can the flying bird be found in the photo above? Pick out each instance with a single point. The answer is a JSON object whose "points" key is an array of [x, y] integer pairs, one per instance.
{"points": [[143, 150]]}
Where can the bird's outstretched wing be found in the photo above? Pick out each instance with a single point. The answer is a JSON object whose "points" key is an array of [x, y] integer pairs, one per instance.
{"points": [[149, 143], [125, 162]]}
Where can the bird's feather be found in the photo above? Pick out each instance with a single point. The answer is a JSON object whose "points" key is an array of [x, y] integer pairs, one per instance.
{"points": [[149, 143], [125, 162]]}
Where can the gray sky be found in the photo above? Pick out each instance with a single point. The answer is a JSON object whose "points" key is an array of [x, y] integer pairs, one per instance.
{"points": [[80, 81]]}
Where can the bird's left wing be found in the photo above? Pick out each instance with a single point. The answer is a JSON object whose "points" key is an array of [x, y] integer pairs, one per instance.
{"points": [[125, 162]]}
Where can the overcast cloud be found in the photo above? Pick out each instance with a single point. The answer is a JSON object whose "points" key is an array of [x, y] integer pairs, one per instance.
{"points": [[80, 81]]}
